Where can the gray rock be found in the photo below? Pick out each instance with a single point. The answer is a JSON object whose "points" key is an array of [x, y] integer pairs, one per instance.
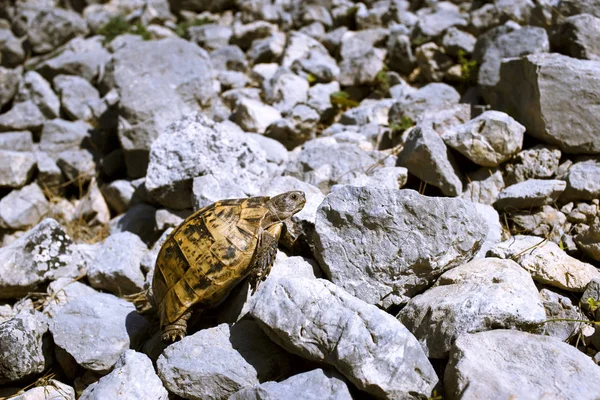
{"points": [[532, 193], [483, 186], [363, 247], [23, 353], [210, 36], [22, 116], [131, 367], [362, 68], [267, 50], [50, 176], [434, 21], [583, 181], [589, 242], [16, 141], [431, 97], [254, 116], [79, 99], [169, 219], [313, 163], [207, 189], [12, 53], [315, 384], [481, 295], [546, 86], [285, 89], [520, 42], [319, 98], [179, 70], [76, 165], [321, 322], [495, 233], [558, 306], [23, 208], [547, 263], [547, 222], [92, 209], [118, 194], [305, 54], [245, 34], [296, 128], [578, 36], [488, 140], [456, 42], [139, 219], [61, 292], [53, 390], [200, 147], [43, 254], [217, 362], [230, 58], [59, 135], [116, 267], [400, 54], [52, 27], [539, 162], [232, 79], [572, 7], [95, 330], [9, 84], [505, 363], [369, 111], [426, 156], [85, 58], [35, 88], [432, 61], [15, 168]]}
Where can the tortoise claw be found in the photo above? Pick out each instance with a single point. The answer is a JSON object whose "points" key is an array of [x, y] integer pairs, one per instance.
{"points": [[172, 337]]}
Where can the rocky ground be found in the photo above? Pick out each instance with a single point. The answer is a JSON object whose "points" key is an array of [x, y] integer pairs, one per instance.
{"points": [[477, 280]]}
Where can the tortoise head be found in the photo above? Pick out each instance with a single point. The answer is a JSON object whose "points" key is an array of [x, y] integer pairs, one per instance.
{"points": [[283, 206]]}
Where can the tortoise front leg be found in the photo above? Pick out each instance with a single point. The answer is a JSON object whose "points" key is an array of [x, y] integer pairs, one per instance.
{"points": [[176, 331], [264, 258]]}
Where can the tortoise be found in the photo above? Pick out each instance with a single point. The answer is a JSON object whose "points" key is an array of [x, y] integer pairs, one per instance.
{"points": [[213, 250]]}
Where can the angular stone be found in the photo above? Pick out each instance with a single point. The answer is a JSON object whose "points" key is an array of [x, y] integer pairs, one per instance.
{"points": [[589, 242], [505, 363], [16, 141], [23, 353], [538, 162], [362, 69], [488, 140], [9, 83], [484, 294], [43, 254], [483, 186], [52, 390], [79, 99], [254, 116], [52, 27], [547, 85], [434, 21], [95, 330], [285, 89], [431, 97], [22, 116], [35, 88], [63, 291], [139, 219], [196, 146], [179, 70], [547, 222], [298, 127], [77, 165], [456, 41], [15, 168], [118, 195], [132, 378], [547, 263], [529, 194], [315, 384], [210, 36], [426, 156], [217, 362], [583, 181], [92, 208], [116, 267], [578, 36], [230, 58], [23, 208], [313, 163], [384, 246], [559, 307], [268, 49], [321, 322], [59, 135]]}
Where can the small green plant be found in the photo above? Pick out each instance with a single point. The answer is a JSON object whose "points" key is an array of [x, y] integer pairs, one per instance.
{"points": [[182, 27], [311, 79], [119, 26], [382, 83], [402, 125], [469, 69], [342, 99], [593, 304]]}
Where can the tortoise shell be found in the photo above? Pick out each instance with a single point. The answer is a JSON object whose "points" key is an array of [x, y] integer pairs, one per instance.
{"points": [[206, 256]]}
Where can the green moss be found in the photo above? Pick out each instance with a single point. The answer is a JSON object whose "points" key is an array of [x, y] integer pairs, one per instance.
{"points": [[469, 69], [119, 26], [182, 27], [402, 125], [381, 85], [342, 100]]}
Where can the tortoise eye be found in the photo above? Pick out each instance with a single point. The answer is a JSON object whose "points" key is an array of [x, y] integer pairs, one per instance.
{"points": [[294, 197]]}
